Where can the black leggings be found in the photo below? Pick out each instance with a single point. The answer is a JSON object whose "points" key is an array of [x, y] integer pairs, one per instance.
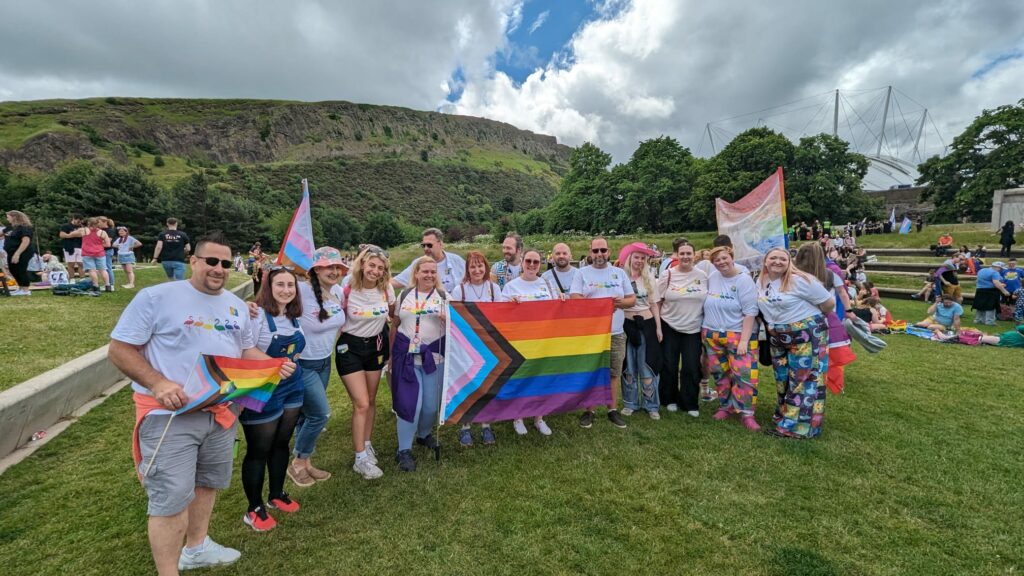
{"points": [[20, 271], [680, 350], [267, 450]]}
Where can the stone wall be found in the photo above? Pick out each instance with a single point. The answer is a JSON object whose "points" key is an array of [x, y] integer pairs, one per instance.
{"points": [[1007, 205]]}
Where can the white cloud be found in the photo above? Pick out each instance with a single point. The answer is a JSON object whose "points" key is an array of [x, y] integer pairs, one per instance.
{"points": [[539, 21]]}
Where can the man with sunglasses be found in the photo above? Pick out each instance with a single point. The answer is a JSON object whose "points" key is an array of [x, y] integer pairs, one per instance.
{"points": [[451, 268], [156, 343], [602, 280]]}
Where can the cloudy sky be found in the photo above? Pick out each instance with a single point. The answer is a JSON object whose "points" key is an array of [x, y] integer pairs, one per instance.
{"points": [[613, 72]]}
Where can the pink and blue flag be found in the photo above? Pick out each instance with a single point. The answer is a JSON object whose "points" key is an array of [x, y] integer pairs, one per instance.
{"points": [[297, 248]]}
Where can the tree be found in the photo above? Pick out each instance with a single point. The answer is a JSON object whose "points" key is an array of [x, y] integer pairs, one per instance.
{"points": [[824, 181], [338, 228], [654, 187], [584, 201], [985, 157], [383, 230]]}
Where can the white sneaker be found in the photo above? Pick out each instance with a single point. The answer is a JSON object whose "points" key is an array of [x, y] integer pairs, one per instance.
{"points": [[519, 427], [368, 470], [654, 414], [371, 454], [693, 413], [212, 554], [672, 408], [128, 286], [542, 426], [21, 293], [626, 411]]}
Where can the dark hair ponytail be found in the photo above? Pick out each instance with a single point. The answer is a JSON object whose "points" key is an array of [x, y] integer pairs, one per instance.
{"points": [[314, 281]]}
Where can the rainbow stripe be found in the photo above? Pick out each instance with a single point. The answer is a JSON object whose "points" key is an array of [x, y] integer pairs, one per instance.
{"points": [[756, 223], [505, 361], [297, 248], [217, 379]]}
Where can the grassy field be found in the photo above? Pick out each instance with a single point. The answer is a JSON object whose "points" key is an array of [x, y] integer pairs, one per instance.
{"points": [[52, 330], [917, 472], [970, 234]]}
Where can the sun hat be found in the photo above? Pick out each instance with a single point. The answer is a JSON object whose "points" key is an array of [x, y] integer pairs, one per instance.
{"points": [[998, 264], [628, 250], [327, 256]]}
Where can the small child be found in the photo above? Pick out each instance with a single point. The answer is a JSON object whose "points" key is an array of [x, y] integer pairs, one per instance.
{"points": [[926, 291]]}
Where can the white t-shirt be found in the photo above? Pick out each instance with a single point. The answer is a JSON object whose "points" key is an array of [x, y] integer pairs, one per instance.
{"points": [[124, 245], [607, 282], [799, 303], [450, 272], [428, 308], [367, 311], [707, 267], [175, 323], [683, 295], [643, 299], [728, 301], [320, 336], [486, 292], [261, 334], [565, 278], [528, 290]]}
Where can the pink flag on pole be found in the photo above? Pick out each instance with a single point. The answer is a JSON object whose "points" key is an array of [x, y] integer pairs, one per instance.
{"points": [[297, 248]]}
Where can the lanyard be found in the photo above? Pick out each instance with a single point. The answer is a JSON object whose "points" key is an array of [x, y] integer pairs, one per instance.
{"points": [[420, 309]]}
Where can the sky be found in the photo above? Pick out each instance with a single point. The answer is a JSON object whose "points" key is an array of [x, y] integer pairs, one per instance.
{"points": [[612, 72]]}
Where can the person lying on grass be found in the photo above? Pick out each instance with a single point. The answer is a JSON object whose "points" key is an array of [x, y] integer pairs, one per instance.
{"points": [[1012, 338], [943, 315]]}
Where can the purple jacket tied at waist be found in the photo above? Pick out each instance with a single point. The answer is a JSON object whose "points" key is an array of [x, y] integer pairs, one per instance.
{"points": [[405, 389]]}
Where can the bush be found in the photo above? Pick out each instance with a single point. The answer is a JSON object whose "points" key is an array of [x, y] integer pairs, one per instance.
{"points": [[424, 155], [158, 161]]}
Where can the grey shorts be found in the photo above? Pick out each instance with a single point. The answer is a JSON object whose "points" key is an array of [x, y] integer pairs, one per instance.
{"points": [[618, 354], [196, 452]]}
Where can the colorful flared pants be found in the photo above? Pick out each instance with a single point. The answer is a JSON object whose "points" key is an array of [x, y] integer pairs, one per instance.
{"points": [[735, 376], [800, 358]]}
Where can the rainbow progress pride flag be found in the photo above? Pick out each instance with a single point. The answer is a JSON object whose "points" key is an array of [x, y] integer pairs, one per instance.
{"points": [[505, 360], [216, 379], [755, 223], [297, 248]]}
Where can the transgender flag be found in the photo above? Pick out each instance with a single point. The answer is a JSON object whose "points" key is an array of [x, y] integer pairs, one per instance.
{"points": [[297, 248], [755, 223]]}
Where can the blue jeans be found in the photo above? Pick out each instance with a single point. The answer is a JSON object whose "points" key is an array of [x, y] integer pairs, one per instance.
{"points": [[109, 257], [174, 270], [427, 405], [637, 369], [315, 409]]}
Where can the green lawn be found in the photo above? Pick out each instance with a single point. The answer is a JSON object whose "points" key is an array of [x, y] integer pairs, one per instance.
{"points": [[970, 234], [917, 472], [52, 330]]}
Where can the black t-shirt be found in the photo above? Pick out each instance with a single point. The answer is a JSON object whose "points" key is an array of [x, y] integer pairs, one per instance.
{"points": [[174, 245], [69, 245], [14, 241], [951, 277]]}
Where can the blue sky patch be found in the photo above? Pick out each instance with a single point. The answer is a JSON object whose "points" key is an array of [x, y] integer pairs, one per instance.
{"points": [[545, 30], [994, 63]]}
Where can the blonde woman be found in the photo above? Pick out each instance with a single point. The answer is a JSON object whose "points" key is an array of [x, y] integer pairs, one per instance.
{"points": [[643, 334], [794, 305], [363, 350]]}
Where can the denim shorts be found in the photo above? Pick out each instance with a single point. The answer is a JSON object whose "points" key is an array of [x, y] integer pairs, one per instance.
{"points": [[94, 262], [127, 258]]}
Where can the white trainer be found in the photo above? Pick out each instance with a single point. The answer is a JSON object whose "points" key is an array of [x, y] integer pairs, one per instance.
{"points": [[654, 414], [371, 454], [519, 427], [212, 554], [693, 413], [368, 470], [672, 407], [626, 411], [542, 426]]}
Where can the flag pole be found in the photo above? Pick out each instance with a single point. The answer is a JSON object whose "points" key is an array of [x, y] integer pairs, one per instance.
{"points": [[158, 445]]}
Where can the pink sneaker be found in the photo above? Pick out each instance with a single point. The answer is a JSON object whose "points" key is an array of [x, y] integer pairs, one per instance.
{"points": [[720, 415], [750, 423]]}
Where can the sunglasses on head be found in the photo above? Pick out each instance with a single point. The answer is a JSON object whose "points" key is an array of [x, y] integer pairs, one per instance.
{"points": [[599, 250], [213, 261], [276, 267], [426, 245]]}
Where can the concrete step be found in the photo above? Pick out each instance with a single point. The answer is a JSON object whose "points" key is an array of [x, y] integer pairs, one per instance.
{"points": [[905, 293], [916, 268]]}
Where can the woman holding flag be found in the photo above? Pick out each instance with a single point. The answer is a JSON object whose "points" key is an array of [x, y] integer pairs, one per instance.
{"points": [[276, 331], [363, 351], [417, 333]]}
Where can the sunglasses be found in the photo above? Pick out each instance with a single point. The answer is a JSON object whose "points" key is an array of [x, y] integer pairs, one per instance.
{"points": [[273, 268], [599, 250], [212, 261], [531, 261], [427, 245]]}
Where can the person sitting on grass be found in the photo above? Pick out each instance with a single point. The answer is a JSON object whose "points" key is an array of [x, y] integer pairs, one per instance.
{"points": [[879, 315], [928, 289], [943, 316], [1011, 339]]}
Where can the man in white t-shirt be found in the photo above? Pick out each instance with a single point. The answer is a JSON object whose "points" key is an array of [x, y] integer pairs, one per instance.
{"points": [[451, 268], [511, 265], [156, 343], [562, 275], [707, 267], [602, 280]]}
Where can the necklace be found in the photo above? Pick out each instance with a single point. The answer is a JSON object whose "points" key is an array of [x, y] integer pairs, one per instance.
{"points": [[479, 295]]}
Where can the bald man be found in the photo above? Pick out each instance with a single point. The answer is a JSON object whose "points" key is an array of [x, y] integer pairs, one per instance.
{"points": [[564, 272]]}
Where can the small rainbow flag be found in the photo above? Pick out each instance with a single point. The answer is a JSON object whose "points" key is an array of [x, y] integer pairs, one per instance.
{"points": [[297, 248], [505, 361], [217, 379]]}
